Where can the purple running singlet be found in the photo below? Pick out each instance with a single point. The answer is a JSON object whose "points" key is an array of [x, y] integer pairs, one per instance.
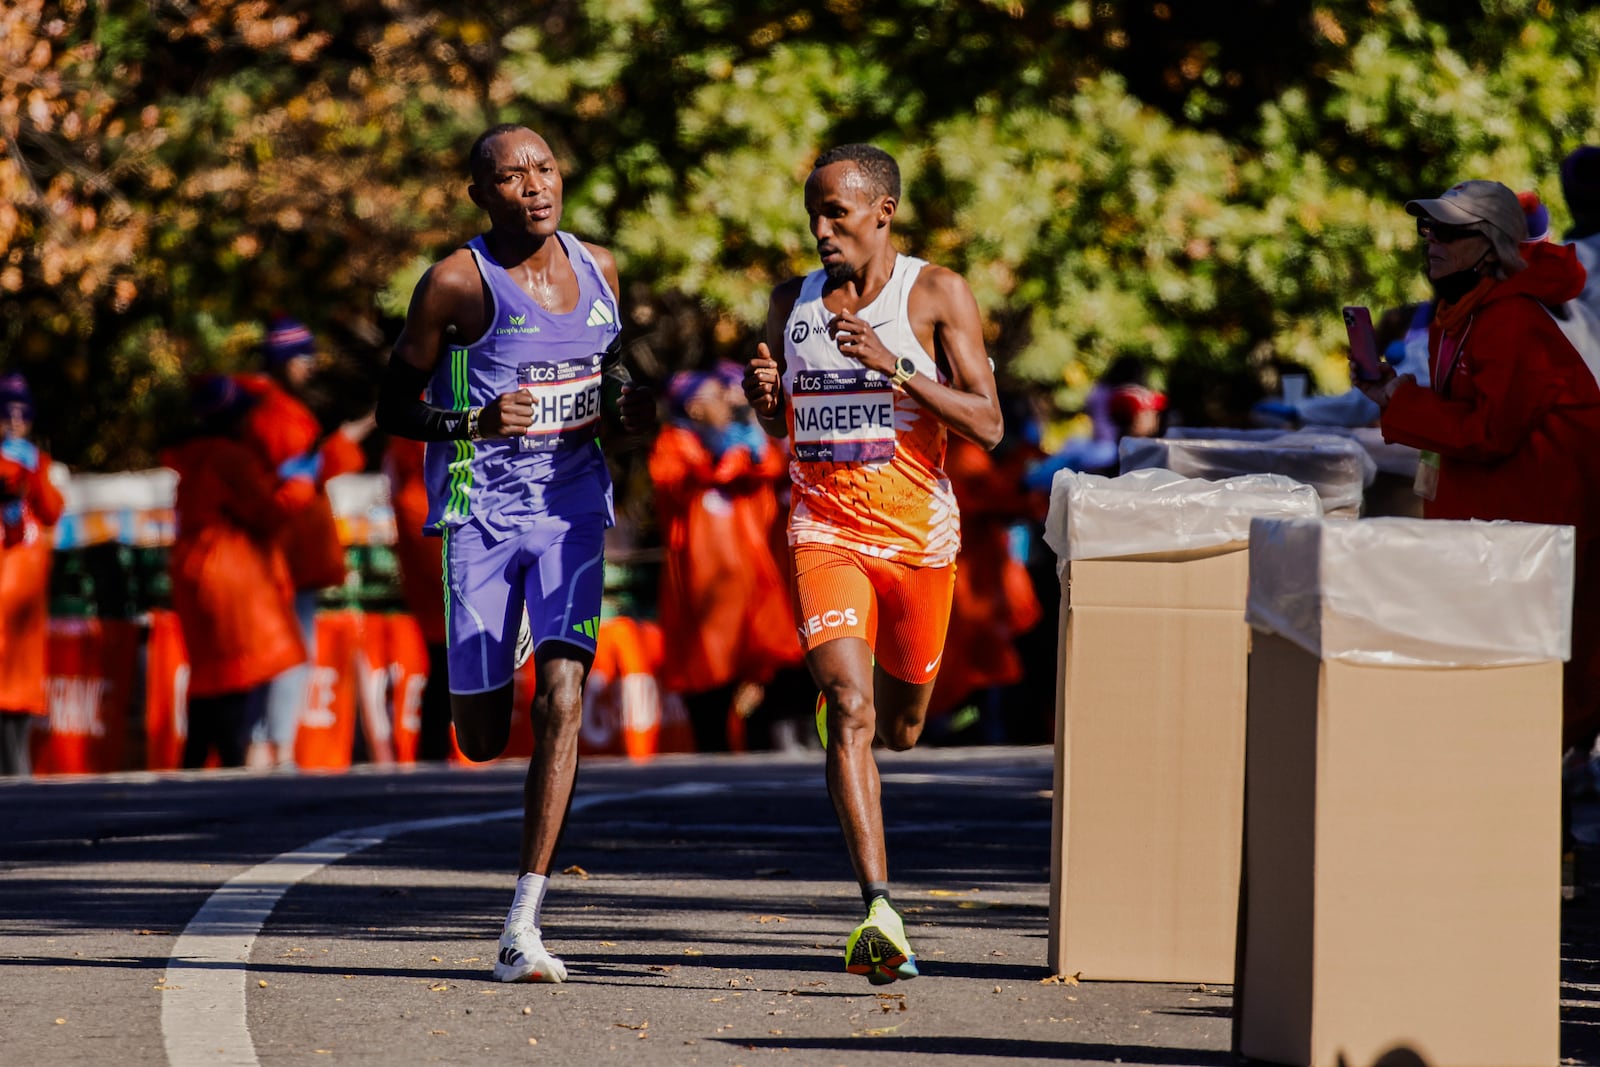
{"points": [[524, 518]]}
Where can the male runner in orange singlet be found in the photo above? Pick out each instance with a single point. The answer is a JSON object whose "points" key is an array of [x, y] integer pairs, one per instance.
{"points": [[867, 363]]}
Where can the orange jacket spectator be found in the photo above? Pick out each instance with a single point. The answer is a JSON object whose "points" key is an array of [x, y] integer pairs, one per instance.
{"points": [[25, 554], [725, 612], [994, 599], [230, 583], [421, 565], [283, 428]]}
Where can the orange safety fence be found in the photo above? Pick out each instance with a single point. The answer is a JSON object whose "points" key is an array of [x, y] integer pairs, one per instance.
{"points": [[367, 677]]}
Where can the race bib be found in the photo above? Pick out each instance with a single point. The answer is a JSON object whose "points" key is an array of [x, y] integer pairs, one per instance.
{"points": [[843, 416], [566, 402]]}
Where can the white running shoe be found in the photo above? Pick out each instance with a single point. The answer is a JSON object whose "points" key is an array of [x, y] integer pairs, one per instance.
{"points": [[523, 958], [524, 643]]}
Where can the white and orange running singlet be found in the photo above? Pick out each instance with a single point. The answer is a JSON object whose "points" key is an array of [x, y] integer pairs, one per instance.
{"points": [[868, 463]]}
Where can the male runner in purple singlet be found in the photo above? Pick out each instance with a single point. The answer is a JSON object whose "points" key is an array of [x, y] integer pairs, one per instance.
{"points": [[511, 343]]}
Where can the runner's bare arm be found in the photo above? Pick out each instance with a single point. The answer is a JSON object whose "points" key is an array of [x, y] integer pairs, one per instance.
{"points": [[945, 317], [446, 309], [763, 376]]}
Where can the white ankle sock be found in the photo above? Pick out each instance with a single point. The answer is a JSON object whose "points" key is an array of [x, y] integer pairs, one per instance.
{"points": [[525, 904]]}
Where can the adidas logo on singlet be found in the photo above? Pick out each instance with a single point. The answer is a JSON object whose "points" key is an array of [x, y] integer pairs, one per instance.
{"points": [[600, 314]]}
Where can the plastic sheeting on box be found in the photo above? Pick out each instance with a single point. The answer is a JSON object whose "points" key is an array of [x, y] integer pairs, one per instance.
{"points": [[1387, 457], [1337, 467], [1095, 517], [1415, 592]]}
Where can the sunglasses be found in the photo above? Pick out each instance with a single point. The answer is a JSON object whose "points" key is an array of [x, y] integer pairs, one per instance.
{"points": [[1443, 233]]}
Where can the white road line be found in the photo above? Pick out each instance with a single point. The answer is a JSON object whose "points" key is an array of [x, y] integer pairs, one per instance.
{"points": [[203, 1006]]}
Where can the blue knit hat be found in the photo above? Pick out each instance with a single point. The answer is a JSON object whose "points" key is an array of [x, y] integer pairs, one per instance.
{"points": [[14, 393], [287, 339]]}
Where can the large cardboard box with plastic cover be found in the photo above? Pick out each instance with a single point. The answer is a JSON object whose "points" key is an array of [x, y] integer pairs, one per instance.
{"points": [[1150, 719], [1402, 812], [1338, 468]]}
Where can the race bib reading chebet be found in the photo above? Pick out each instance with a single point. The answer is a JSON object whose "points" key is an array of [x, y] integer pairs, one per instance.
{"points": [[566, 402]]}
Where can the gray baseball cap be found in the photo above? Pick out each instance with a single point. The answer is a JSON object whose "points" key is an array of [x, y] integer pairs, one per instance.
{"points": [[1473, 202]]}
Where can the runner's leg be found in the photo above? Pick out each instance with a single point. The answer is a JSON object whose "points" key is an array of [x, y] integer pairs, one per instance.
{"points": [[483, 608]]}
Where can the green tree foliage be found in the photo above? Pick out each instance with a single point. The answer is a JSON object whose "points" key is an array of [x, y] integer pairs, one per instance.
{"points": [[1112, 177]]}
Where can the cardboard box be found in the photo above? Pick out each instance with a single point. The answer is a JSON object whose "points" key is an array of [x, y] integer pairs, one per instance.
{"points": [[1403, 842], [1403, 793], [1150, 767]]}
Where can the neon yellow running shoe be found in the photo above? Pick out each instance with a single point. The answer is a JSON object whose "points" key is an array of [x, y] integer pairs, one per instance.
{"points": [[878, 947], [822, 719]]}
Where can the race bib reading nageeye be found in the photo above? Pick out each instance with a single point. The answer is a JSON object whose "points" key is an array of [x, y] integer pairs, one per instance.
{"points": [[843, 416], [566, 402]]}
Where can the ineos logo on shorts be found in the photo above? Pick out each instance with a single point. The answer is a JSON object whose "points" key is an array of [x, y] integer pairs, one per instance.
{"points": [[801, 331], [829, 620]]}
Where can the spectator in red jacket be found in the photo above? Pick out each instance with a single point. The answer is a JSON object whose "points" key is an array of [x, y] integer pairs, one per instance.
{"points": [[1510, 426], [230, 582], [288, 436], [29, 509], [725, 613]]}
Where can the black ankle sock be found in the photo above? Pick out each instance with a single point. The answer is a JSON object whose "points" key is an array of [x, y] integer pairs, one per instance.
{"points": [[871, 891]]}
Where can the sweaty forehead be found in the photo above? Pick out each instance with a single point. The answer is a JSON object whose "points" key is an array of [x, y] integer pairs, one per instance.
{"points": [[517, 149], [839, 181]]}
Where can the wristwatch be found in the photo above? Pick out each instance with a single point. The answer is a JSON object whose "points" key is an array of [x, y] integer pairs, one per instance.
{"points": [[473, 415], [905, 368]]}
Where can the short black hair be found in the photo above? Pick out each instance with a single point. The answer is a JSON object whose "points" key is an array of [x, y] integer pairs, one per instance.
{"points": [[478, 158], [883, 173]]}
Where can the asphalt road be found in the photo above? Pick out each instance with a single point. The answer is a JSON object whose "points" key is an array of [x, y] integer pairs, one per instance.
{"points": [[235, 919]]}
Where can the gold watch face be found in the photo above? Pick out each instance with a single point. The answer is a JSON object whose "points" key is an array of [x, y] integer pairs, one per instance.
{"points": [[905, 366]]}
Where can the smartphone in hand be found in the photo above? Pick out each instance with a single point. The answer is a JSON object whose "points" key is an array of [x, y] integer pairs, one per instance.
{"points": [[1363, 344]]}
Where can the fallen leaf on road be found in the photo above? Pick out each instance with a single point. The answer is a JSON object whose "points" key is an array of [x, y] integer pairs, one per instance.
{"points": [[439, 1033], [575, 869], [527, 1011], [61, 1022], [152, 933], [997, 989], [775, 1033], [434, 959], [634, 1026], [608, 944], [693, 952], [262, 983], [879, 1031], [950, 892], [984, 905], [442, 987], [1062, 979], [769, 919], [533, 1041]]}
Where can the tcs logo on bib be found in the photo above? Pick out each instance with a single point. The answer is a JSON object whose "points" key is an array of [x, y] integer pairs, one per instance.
{"points": [[828, 620]]}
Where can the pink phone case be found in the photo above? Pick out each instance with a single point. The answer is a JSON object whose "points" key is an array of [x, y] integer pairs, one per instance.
{"points": [[1363, 343]]}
